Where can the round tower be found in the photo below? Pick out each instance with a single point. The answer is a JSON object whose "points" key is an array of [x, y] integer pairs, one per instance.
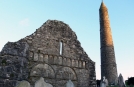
{"points": [[108, 62]]}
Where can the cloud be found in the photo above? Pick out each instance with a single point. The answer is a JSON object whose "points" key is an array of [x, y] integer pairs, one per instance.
{"points": [[24, 22]]}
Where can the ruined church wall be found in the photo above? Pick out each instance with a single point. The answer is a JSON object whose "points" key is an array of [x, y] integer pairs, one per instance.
{"points": [[41, 54], [13, 63]]}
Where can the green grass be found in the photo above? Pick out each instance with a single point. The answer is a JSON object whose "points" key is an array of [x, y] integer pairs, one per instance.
{"points": [[129, 86]]}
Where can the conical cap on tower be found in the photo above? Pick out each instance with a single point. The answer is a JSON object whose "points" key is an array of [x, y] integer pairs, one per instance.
{"points": [[105, 25]]}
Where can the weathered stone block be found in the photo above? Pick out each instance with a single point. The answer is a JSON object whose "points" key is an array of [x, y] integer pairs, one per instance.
{"points": [[42, 83], [80, 64], [51, 59], [76, 63], [30, 54], [73, 63], [64, 61], [55, 60], [41, 57], [36, 58], [69, 84], [23, 84], [46, 58], [60, 60], [68, 62], [84, 64]]}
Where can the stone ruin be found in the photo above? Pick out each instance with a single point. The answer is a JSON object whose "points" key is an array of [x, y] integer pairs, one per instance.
{"points": [[121, 81], [52, 52]]}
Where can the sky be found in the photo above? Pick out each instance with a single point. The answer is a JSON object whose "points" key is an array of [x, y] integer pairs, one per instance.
{"points": [[20, 18]]}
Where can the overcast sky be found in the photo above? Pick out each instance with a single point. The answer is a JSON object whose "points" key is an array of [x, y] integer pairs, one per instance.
{"points": [[19, 18]]}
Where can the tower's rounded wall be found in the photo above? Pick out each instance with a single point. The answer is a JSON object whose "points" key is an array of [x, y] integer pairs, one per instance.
{"points": [[108, 62]]}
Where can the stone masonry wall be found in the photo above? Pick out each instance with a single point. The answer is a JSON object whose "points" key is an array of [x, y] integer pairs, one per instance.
{"points": [[13, 63], [52, 52]]}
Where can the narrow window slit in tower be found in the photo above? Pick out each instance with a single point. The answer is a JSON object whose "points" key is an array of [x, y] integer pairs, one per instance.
{"points": [[61, 45]]}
